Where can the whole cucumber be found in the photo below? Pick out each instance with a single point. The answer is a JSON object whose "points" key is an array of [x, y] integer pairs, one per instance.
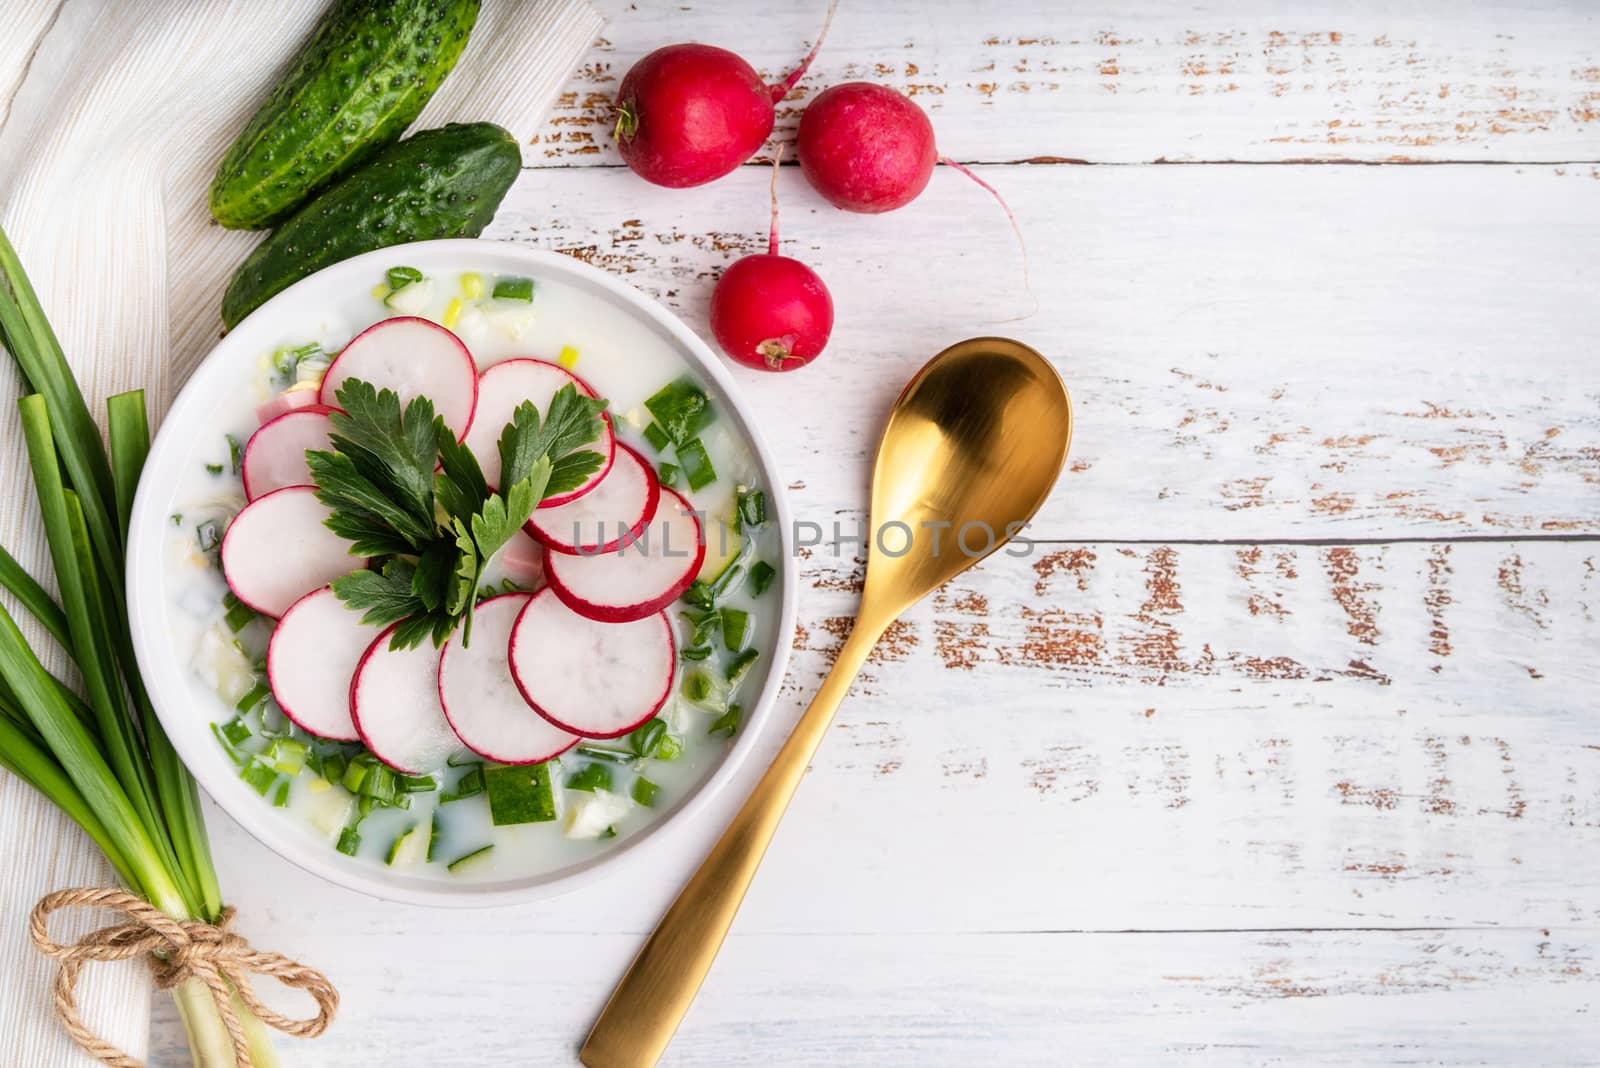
{"points": [[438, 183], [368, 70]]}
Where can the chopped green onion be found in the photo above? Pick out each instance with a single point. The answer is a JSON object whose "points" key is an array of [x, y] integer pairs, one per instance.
{"points": [[462, 759], [600, 752], [513, 289], [645, 740], [696, 686], [469, 785], [727, 723], [657, 437], [214, 469], [455, 865], [236, 613], [752, 508], [520, 793], [433, 837], [287, 755], [235, 453], [682, 409], [382, 784], [591, 777], [694, 652], [696, 464], [234, 755], [400, 277], [259, 774], [177, 519], [740, 667], [644, 792], [253, 697], [610, 832], [670, 748], [349, 841], [668, 474], [699, 594], [333, 767], [761, 576], [280, 799], [207, 532], [418, 784], [355, 774], [236, 731], [703, 626], [735, 628], [399, 842]]}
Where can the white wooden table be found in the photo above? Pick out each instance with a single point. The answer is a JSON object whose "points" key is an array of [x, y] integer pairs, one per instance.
{"points": [[1283, 747]]}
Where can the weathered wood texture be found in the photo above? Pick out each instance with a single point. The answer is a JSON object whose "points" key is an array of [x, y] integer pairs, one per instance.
{"points": [[1368, 710], [1165, 81]]}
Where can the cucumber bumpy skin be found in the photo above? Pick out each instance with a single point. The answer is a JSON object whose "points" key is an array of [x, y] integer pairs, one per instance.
{"points": [[365, 75], [438, 183]]}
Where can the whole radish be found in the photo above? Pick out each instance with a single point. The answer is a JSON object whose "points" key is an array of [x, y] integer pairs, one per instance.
{"points": [[770, 311], [691, 113]]}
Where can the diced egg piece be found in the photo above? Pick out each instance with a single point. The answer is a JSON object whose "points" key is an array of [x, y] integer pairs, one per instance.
{"points": [[512, 317], [220, 664], [591, 815]]}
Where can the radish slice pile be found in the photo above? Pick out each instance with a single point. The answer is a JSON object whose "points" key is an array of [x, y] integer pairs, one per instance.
{"points": [[600, 680], [313, 653], [394, 701], [616, 510], [480, 698], [637, 579], [287, 401], [506, 385], [275, 455], [277, 550], [415, 358]]}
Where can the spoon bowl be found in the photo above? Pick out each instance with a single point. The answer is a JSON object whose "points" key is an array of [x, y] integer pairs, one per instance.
{"points": [[972, 448]]}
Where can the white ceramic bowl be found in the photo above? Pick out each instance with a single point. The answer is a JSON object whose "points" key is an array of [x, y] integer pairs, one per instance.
{"points": [[192, 419]]}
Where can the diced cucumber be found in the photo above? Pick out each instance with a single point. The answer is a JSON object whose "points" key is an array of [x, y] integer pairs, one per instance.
{"points": [[735, 628], [513, 289], [682, 409], [645, 792], [520, 793], [412, 298], [695, 464], [740, 666], [467, 859], [410, 848]]}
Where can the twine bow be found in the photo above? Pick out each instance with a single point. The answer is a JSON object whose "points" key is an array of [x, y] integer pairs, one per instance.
{"points": [[178, 950]]}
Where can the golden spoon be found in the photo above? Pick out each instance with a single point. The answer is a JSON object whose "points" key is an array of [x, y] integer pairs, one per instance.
{"points": [[972, 449]]}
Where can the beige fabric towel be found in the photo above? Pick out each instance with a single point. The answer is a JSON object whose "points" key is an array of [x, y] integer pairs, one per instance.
{"points": [[105, 156]]}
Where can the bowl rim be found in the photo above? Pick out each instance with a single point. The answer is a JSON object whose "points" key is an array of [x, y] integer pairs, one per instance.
{"points": [[163, 674]]}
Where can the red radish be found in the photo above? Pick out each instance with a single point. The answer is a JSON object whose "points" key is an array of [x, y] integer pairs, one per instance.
{"points": [[690, 113], [619, 506], [277, 550], [769, 311], [289, 400], [598, 680], [415, 358], [275, 455], [480, 698], [640, 577], [867, 148], [394, 701], [311, 658], [507, 384], [521, 560]]}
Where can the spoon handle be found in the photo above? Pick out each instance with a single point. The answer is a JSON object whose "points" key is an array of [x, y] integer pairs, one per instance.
{"points": [[647, 1005]]}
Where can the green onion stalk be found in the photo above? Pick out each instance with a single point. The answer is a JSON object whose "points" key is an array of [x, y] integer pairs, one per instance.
{"points": [[99, 754]]}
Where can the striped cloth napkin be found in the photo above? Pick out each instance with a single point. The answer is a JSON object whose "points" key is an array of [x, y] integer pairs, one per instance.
{"points": [[112, 118]]}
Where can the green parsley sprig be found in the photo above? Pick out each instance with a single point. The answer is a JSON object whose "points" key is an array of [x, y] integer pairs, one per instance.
{"points": [[434, 531]]}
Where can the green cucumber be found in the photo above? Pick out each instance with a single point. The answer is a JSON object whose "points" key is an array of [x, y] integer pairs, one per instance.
{"points": [[438, 183], [368, 70]]}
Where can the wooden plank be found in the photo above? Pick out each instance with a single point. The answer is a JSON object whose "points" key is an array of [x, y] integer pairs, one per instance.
{"points": [[1174, 81], [1435, 997], [1253, 352]]}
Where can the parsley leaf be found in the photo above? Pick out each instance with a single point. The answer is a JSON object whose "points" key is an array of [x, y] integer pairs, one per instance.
{"points": [[385, 596]]}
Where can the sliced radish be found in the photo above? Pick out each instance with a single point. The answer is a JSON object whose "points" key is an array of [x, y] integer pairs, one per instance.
{"points": [[394, 701], [596, 679], [507, 384], [615, 511], [481, 699], [415, 358], [311, 658], [291, 399], [277, 550], [275, 455], [639, 577], [521, 560]]}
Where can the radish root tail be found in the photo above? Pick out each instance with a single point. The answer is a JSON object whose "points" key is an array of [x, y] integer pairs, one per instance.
{"points": [[1022, 245], [781, 89], [772, 227]]}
